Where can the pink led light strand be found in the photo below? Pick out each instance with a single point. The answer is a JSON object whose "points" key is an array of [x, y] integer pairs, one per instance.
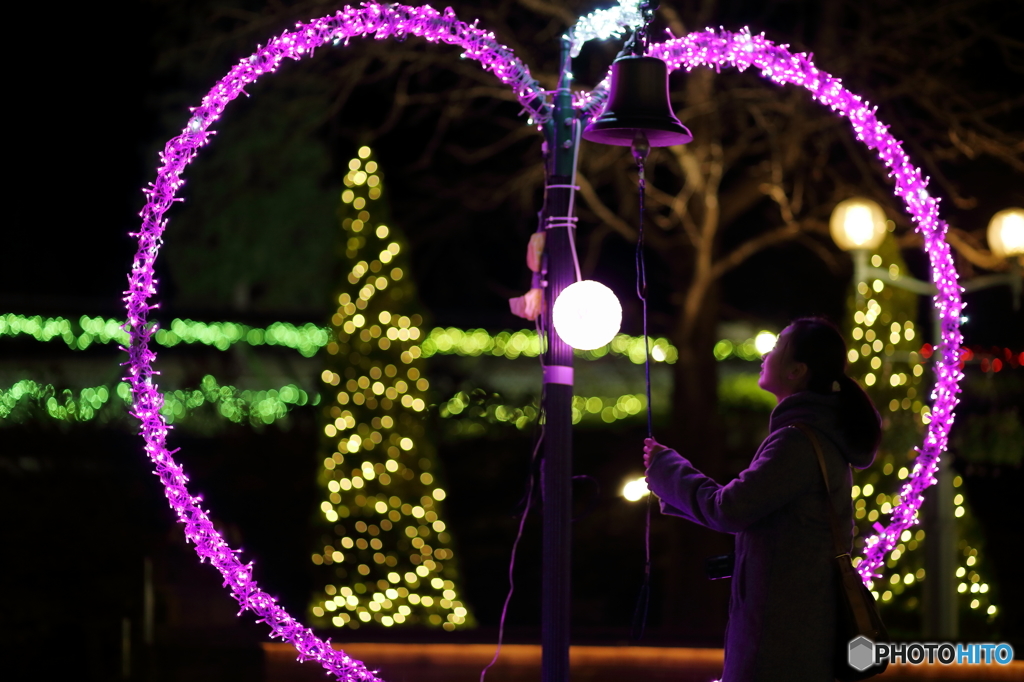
{"points": [[370, 19], [742, 51]]}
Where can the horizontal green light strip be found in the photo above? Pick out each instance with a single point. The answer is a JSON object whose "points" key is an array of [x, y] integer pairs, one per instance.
{"points": [[259, 407], [736, 391], [309, 338], [476, 342], [266, 407], [590, 409]]}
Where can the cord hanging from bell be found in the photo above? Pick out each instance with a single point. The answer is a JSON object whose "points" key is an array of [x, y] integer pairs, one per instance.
{"points": [[641, 148], [639, 115]]}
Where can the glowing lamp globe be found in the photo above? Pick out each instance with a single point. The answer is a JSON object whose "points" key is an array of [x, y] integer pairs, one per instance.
{"points": [[1006, 233], [765, 341], [587, 315], [635, 489], [857, 223]]}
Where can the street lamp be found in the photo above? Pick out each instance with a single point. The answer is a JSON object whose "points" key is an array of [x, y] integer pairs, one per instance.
{"points": [[858, 225], [1006, 233]]}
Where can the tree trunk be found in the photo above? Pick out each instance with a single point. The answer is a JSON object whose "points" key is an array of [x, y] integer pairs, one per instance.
{"points": [[694, 428], [694, 607]]}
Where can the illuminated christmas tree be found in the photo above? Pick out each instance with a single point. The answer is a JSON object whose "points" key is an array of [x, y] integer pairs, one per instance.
{"points": [[889, 358], [386, 557]]}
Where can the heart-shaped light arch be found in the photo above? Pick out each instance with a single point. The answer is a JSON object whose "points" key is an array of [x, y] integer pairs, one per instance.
{"points": [[384, 21]]}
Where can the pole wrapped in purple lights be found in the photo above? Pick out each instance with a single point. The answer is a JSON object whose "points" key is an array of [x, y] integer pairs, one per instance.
{"points": [[742, 51], [707, 48]]}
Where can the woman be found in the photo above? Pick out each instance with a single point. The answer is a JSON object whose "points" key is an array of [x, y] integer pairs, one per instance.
{"points": [[782, 607]]}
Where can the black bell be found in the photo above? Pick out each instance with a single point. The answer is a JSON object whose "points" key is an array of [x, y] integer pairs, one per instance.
{"points": [[638, 102]]}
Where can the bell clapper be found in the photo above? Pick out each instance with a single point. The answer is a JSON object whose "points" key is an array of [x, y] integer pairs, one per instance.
{"points": [[641, 147]]}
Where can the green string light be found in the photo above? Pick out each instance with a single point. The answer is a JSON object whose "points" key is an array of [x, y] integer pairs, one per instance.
{"points": [[306, 338], [309, 338], [27, 399]]}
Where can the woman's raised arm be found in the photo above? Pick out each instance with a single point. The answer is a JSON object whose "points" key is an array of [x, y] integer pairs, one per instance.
{"points": [[784, 468]]}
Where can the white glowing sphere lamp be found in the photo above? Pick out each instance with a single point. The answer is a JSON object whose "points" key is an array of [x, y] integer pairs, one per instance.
{"points": [[765, 341], [587, 315], [1006, 233], [635, 489], [857, 223]]}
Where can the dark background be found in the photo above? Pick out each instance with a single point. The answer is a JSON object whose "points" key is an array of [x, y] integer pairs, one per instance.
{"points": [[91, 104]]}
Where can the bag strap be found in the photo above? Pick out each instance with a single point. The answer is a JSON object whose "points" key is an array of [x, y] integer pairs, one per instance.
{"points": [[833, 521]]}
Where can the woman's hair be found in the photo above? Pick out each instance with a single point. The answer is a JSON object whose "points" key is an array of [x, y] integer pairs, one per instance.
{"points": [[819, 344]]}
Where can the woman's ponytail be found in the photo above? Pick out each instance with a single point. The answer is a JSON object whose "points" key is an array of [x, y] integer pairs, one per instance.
{"points": [[862, 425], [819, 344]]}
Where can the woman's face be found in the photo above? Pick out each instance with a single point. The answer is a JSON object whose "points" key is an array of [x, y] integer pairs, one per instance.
{"points": [[780, 374]]}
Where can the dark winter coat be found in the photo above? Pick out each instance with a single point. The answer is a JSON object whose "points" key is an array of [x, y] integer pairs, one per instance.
{"points": [[782, 608]]}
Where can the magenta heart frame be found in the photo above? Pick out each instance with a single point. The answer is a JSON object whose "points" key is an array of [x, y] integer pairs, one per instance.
{"points": [[710, 48]]}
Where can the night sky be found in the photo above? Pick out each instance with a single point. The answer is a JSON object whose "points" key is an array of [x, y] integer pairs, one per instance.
{"points": [[92, 112], [78, 157]]}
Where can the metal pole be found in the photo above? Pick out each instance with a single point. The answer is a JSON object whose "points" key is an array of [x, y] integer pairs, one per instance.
{"points": [[940, 607], [126, 648], [860, 270], [148, 602], [556, 471]]}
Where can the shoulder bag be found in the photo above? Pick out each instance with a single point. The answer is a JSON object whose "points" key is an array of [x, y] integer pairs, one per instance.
{"points": [[856, 610]]}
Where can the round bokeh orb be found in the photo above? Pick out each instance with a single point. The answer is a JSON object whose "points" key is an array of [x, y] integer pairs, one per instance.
{"points": [[587, 315]]}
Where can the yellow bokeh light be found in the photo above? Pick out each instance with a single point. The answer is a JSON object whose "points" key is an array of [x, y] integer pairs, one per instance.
{"points": [[371, 411]]}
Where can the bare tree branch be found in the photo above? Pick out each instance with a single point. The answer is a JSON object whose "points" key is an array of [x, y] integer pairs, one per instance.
{"points": [[478, 155], [827, 256], [567, 17], [968, 245], [604, 214], [674, 21], [753, 246], [593, 252]]}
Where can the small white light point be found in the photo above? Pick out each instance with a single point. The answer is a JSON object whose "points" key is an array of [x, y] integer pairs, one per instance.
{"points": [[587, 315], [765, 341], [635, 489]]}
